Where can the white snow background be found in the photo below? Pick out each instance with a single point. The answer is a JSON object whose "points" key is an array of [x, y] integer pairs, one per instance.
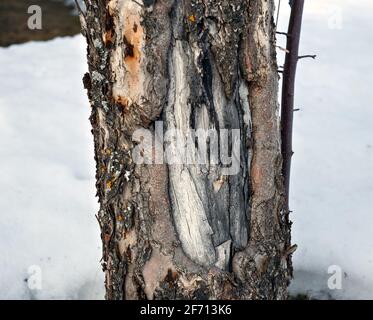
{"points": [[47, 185], [332, 175]]}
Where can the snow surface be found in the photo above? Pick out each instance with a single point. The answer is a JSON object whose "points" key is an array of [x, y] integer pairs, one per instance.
{"points": [[332, 177], [47, 170], [47, 183]]}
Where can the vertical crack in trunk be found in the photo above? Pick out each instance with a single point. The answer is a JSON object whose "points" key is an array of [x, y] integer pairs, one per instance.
{"points": [[208, 200]]}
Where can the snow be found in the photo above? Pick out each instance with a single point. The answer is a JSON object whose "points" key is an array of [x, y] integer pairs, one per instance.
{"points": [[332, 177], [47, 179], [47, 184]]}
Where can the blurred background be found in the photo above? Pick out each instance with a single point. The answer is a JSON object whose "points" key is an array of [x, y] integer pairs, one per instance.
{"points": [[58, 19], [50, 244]]}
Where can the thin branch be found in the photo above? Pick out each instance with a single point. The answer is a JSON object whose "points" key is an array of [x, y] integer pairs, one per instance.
{"points": [[284, 33], [288, 88], [283, 49], [313, 56]]}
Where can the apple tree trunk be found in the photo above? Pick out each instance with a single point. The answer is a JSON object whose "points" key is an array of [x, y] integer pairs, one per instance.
{"points": [[186, 230]]}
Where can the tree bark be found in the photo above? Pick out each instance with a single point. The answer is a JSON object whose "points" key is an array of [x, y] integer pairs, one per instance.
{"points": [[181, 230]]}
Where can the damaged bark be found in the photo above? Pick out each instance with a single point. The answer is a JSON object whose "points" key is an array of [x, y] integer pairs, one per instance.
{"points": [[181, 230]]}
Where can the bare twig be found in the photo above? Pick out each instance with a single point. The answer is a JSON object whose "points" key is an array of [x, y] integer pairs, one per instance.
{"points": [[313, 56], [288, 86], [283, 49], [283, 33]]}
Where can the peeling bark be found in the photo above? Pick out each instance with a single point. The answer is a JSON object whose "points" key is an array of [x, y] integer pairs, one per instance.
{"points": [[187, 231]]}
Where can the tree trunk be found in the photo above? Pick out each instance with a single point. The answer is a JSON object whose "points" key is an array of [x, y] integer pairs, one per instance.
{"points": [[188, 229]]}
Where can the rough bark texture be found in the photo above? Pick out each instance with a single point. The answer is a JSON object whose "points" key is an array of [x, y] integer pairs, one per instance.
{"points": [[173, 231]]}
